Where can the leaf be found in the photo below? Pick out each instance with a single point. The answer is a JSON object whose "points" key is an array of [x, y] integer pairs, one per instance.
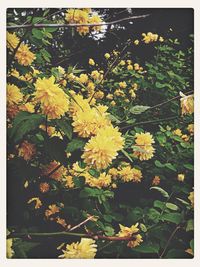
{"points": [[170, 166], [189, 166], [143, 227], [79, 181], [192, 245], [65, 126], [24, 123], [183, 201], [126, 155], [171, 206], [55, 148], [159, 204], [109, 231], [153, 215], [158, 164], [172, 217], [138, 109], [175, 254], [75, 144], [37, 33], [147, 248], [162, 191], [190, 225], [94, 173]]}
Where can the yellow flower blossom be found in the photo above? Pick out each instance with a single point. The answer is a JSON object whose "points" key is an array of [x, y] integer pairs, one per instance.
{"points": [[187, 104], [122, 85], [91, 62], [37, 201], [136, 242], [24, 56], [122, 63], [109, 96], [136, 42], [95, 19], [130, 67], [96, 75], [9, 249], [128, 174], [104, 180], [85, 249], [26, 150], [52, 209], [83, 78], [14, 96], [58, 174], [128, 231], [190, 128], [107, 55], [181, 177], [28, 107], [103, 148], [144, 143], [54, 102], [191, 198], [11, 40], [177, 132]]}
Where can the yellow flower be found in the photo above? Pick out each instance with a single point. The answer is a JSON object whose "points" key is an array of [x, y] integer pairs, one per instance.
{"points": [[14, 73], [83, 78], [88, 122], [181, 177], [99, 95], [38, 202], [122, 85], [53, 209], [189, 251], [24, 56], [95, 19], [122, 63], [149, 37], [113, 103], [85, 249], [44, 187], [91, 62], [161, 39], [96, 75], [90, 87], [9, 250], [114, 173], [187, 104], [128, 231], [190, 128], [78, 16], [107, 55], [185, 137], [129, 67], [29, 107], [136, 66], [102, 148], [128, 174], [136, 42], [136, 242], [26, 150], [60, 172], [177, 132], [191, 198], [156, 180], [11, 40], [68, 181], [14, 96], [104, 180], [144, 143], [54, 102]]}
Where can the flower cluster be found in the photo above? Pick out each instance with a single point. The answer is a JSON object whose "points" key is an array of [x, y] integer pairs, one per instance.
{"points": [[83, 16], [143, 148], [131, 232]]}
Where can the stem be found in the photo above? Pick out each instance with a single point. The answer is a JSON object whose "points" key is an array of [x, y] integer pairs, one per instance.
{"points": [[169, 240], [53, 234], [75, 24], [79, 225]]}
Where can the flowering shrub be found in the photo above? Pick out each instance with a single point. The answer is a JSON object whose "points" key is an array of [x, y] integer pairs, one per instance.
{"points": [[100, 160]]}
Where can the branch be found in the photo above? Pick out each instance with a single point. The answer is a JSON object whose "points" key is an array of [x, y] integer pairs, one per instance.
{"points": [[84, 222], [75, 24], [53, 234], [169, 240]]}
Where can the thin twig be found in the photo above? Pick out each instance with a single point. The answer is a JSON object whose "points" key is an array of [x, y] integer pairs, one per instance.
{"points": [[75, 24], [80, 224], [169, 240]]}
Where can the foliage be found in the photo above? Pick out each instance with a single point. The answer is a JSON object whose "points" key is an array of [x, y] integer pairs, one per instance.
{"points": [[102, 151]]}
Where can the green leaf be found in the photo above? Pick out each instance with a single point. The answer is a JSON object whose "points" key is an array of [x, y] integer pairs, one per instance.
{"points": [[24, 123], [37, 33], [75, 144], [65, 126], [189, 166], [138, 109], [159, 164], [170, 166], [147, 248], [162, 191], [159, 204], [94, 173], [172, 217], [79, 181], [126, 155], [192, 245], [171, 206], [153, 215], [190, 225], [55, 149], [143, 227]]}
